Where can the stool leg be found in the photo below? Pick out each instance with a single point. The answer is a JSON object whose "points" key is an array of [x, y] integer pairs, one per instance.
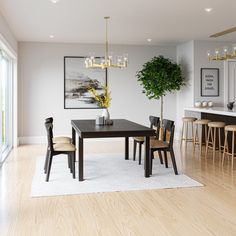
{"points": [[195, 135], [219, 142], [182, 135], [232, 161], [214, 144], [200, 138], [225, 143], [207, 141], [186, 134], [192, 135], [205, 127]]}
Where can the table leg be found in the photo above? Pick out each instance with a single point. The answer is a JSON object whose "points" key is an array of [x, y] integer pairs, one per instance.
{"points": [[73, 138], [81, 159], [73, 135], [147, 157], [126, 148]]}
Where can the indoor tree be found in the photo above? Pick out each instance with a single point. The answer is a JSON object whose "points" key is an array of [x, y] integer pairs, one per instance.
{"points": [[160, 76]]}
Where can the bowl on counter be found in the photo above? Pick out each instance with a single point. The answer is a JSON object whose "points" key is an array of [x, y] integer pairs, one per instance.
{"points": [[204, 104], [210, 104], [197, 104]]}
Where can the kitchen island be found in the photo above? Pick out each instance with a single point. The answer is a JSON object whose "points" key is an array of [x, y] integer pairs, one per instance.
{"points": [[214, 114]]}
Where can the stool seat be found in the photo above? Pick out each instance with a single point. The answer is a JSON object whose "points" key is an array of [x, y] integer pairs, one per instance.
{"points": [[230, 128], [202, 122], [188, 119], [217, 124]]}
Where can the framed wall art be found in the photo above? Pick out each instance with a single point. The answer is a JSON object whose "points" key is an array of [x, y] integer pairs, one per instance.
{"points": [[209, 82], [77, 80]]}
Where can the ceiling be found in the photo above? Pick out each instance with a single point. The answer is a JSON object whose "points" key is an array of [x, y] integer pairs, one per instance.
{"points": [[132, 21]]}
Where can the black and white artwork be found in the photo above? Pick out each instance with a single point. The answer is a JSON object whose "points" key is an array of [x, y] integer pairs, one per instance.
{"points": [[77, 80], [209, 82]]}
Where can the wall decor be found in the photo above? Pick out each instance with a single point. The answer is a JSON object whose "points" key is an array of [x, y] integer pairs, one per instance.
{"points": [[209, 82], [77, 81]]}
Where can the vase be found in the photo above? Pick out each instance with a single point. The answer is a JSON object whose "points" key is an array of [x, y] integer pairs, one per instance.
{"points": [[106, 115]]}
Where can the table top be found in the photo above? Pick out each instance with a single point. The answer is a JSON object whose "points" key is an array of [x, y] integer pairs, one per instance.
{"points": [[120, 128]]}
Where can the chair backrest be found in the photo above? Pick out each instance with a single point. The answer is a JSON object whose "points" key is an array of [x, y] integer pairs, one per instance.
{"points": [[49, 127], [155, 124], [49, 119], [167, 124], [172, 131]]}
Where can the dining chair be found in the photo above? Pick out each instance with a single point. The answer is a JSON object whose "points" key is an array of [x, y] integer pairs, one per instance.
{"points": [[154, 124], [165, 145], [57, 139], [57, 149]]}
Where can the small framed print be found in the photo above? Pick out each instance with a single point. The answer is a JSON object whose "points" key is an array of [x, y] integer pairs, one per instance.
{"points": [[209, 82]]}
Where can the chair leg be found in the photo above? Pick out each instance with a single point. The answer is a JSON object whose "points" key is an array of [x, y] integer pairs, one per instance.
{"points": [[73, 164], [160, 156], [134, 149], [152, 157], [165, 158], [49, 166], [46, 162], [140, 153], [173, 161], [69, 163]]}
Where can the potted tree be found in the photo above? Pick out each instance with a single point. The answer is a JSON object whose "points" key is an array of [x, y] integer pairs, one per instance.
{"points": [[160, 76]]}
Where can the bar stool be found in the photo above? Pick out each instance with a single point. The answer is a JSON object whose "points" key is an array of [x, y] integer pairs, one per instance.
{"points": [[184, 136], [213, 128], [229, 128], [198, 139]]}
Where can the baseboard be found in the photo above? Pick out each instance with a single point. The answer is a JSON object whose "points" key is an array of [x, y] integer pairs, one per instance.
{"points": [[43, 140]]}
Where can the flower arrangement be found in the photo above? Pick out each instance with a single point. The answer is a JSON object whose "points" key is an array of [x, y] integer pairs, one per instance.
{"points": [[104, 99]]}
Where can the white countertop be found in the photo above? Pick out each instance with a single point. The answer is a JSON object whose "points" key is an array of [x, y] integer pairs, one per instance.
{"points": [[214, 110]]}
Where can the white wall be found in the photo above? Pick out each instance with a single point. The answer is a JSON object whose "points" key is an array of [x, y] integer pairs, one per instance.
{"points": [[185, 97], [41, 86], [201, 61]]}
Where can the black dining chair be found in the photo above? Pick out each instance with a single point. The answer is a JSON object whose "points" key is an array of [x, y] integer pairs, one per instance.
{"points": [[165, 145], [154, 124], [57, 139], [54, 149]]}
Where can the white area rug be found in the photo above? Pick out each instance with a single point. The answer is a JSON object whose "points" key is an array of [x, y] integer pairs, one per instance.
{"points": [[104, 173]]}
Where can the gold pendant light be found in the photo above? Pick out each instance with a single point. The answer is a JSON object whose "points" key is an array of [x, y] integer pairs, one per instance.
{"points": [[108, 61]]}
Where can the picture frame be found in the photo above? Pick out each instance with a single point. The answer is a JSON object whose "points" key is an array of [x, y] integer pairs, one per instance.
{"points": [[77, 80], [209, 82]]}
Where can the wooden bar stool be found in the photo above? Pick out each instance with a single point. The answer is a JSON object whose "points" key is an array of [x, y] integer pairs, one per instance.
{"points": [[211, 137], [198, 140], [229, 128], [184, 137]]}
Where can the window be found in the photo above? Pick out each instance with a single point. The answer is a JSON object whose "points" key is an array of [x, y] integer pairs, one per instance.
{"points": [[6, 104]]}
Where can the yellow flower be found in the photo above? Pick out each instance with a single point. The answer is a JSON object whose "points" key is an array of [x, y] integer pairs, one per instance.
{"points": [[104, 99]]}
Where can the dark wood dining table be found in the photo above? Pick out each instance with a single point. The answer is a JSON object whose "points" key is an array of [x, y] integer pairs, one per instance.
{"points": [[120, 128]]}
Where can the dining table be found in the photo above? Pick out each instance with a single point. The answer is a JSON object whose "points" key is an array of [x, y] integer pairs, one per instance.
{"points": [[120, 128]]}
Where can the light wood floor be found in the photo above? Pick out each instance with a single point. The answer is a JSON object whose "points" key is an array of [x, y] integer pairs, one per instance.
{"points": [[208, 210]]}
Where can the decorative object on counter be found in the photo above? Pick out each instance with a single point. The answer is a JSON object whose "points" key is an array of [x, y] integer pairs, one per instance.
{"points": [[230, 105], [204, 104], [210, 104], [99, 120], [160, 76], [209, 82], [104, 101], [197, 104], [78, 80]]}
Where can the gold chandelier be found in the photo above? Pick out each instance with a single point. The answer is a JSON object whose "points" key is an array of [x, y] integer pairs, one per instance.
{"points": [[108, 61], [225, 55]]}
